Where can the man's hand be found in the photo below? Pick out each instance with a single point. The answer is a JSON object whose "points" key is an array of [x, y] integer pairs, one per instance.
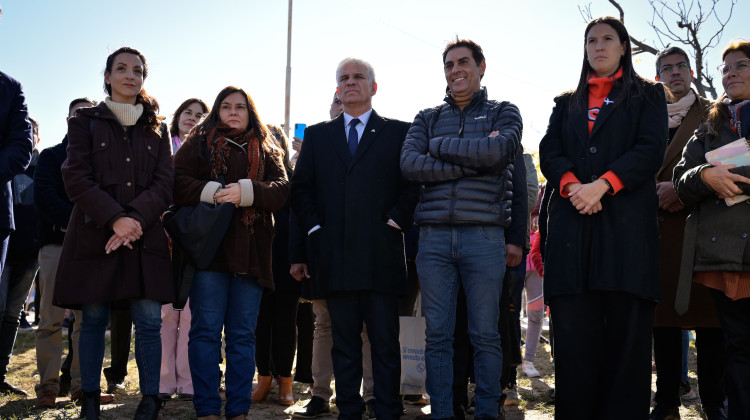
{"points": [[513, 255], [723, 182], [668, 199], [299, 271]]}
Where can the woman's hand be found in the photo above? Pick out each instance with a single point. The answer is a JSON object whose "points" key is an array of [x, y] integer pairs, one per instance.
{"points": [[723, 182], [231, 193], [127, 230], [587, 198]]}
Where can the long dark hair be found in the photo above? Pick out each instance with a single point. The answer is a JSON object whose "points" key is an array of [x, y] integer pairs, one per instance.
{"points": [[255, 123], [282, 142], [150, 106], [580, 97], [719, 110], [174, 128]]}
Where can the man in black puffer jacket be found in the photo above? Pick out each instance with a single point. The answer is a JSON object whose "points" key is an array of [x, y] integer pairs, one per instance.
{"points": [[462, 152]]}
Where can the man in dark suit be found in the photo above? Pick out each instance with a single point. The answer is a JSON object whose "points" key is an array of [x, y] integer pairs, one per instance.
{"points": [[352, 202]]}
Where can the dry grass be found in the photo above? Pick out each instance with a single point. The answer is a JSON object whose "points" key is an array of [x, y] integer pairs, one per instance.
{"points": [[22, 372]]}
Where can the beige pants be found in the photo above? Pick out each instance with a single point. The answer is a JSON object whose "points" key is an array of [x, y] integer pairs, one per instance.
{"points": [[49, 343], [322, 365]]}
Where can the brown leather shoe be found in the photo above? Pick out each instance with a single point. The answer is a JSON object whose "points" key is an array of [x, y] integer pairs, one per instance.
{"points": [[103, 398], [261, 390], [46, 399], [286, 396]]}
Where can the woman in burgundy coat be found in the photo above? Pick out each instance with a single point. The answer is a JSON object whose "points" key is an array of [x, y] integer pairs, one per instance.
{"points": [[119, 175]]}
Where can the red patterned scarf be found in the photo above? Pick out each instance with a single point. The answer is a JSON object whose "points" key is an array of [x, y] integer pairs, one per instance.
{"points": [[219, 149]]}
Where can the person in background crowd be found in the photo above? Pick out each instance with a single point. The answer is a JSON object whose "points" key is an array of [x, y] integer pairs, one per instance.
{"points": [[16, 145], [276, 335], [230, 157], [604, 144], [462, 152], [187, 116], [175, 367], [20, 264], [54, 209], [717, 244], [322, 366], [119, 175], [534, 294], [686, 111], [352, 203]]}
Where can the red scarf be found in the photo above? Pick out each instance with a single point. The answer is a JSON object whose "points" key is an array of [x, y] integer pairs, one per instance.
{"points": [[599, 88], [219, 148]]}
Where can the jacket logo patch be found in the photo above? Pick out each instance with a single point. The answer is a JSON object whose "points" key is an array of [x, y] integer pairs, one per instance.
{"points": [[483, 117]]}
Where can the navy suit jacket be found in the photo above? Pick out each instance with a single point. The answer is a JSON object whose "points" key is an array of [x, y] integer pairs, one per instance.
{"points": [[15, 143], [352, 199]]}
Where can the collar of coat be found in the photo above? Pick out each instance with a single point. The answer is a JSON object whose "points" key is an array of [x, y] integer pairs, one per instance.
{"points": [[478, 97]]}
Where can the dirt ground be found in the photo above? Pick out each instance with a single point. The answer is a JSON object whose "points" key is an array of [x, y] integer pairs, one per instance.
{"points": [[534, 404]]}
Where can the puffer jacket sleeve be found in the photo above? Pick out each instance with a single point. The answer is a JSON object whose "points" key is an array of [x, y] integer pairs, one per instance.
{"points": [[484, 154], [687, 174], [417, 165]]}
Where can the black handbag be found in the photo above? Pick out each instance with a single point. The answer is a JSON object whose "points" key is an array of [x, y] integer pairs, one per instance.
{"points": [[196, 232]]}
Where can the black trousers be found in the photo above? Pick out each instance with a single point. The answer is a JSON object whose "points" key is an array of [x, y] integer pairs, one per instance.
{"points": [[734, 316], [120, 327], [603, 345], [276, 333], [379, 312], [709, 343], [305, 329]]}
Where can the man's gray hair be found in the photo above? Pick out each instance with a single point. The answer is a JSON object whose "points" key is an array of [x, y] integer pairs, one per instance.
{"points": [[363, 63]]}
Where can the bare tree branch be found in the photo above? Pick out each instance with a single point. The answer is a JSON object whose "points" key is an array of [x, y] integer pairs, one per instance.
{"points": [[682, 22]]}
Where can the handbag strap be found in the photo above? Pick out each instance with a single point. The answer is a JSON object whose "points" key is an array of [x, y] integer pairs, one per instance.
{"points": [[187, 280]]}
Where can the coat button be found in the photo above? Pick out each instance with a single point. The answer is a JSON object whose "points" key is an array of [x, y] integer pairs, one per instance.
{"points": [[592, 149], [104, 144], [594, 178], [744, 235], [717, 201], [96, 113], [128, 184], [661, 218], [127, 159], [148, 147], [714, 239], [125, 138]]}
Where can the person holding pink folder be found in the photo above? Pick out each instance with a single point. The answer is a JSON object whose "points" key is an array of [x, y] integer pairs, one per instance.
{"points": [[716, 250]]}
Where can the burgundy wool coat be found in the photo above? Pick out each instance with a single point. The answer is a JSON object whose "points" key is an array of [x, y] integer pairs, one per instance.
{"points": [[112, 172]]}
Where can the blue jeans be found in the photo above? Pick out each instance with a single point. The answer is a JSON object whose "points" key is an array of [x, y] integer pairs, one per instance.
{"points": [[147, 320], [223, 300], [475, 256]]}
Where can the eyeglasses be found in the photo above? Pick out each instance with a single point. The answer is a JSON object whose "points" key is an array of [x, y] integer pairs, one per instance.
{"points": [[667, 68], [738, 66]]}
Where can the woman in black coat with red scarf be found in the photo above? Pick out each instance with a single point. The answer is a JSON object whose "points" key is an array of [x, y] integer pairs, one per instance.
{"points": [[604, 144]]}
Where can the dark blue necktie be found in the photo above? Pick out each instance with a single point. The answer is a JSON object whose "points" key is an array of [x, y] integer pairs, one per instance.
{"points": [[353, 137]]}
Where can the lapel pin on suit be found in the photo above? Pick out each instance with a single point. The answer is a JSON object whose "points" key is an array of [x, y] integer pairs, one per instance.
{"points": [[372, 131]]}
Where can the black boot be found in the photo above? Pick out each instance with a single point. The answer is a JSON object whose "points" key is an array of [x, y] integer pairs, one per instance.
{"points": [[148, 409], [90, 405]]}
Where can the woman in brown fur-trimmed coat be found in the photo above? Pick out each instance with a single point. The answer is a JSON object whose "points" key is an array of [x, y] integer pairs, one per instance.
{"points": [[230, 158]]}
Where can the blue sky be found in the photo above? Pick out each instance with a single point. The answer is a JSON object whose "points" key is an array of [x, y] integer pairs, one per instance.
{"points": [[534, 48]]}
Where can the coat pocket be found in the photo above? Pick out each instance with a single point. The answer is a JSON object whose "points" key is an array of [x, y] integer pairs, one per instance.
{"points": [[90, 239]]}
